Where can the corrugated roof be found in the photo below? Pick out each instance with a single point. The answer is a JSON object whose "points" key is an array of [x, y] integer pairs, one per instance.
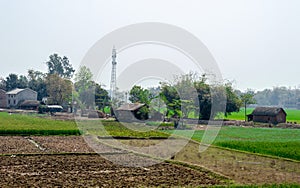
{"points": [[14, 91], [131, 106], [17, 90], [267, 111]]}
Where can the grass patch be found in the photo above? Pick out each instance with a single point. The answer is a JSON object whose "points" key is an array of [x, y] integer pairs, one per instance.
{"points": [[289, 150], [18, 124]]}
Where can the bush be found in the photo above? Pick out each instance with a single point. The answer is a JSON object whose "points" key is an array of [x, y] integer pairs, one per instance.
{"points": [[42, 109]]}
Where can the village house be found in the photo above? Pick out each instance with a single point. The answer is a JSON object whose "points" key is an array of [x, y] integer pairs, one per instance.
{"points": [[17, 96], [128, 112], [3, 99], [272, 115]]}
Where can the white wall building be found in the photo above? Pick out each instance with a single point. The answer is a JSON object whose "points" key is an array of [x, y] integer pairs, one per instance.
{"points": [[16, 96]]}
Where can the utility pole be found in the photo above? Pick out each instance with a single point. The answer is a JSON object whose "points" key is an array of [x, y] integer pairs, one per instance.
{"points": [[113, 81]]}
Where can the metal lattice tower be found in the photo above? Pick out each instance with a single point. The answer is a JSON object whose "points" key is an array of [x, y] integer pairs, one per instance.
{"points": [[113, 81]]}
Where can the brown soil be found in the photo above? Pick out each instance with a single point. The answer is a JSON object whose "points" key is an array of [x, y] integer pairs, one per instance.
{"points": [[93, 170], [90, 169], [63, 144], [16, 144], [242, 167]]}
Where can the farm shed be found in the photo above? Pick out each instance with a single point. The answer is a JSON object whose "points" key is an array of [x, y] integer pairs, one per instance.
{"points": [[128, 112], [30, 105], [272, 115], [16, 96], [3, 99]]}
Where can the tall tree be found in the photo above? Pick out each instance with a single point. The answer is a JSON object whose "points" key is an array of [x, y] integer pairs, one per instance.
{"points": [[102, 98], [22, 81], [36, 82], [11, 82], [60, 66], [233, 102], [2, 83], [204, 97], [59, 89], [171, 98], [138, 94], [14, 81], [85, 87]]}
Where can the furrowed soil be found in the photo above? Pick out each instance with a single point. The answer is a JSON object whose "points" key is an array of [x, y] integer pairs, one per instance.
{"points": [[51, 165], [67, 161], [91, 171]]}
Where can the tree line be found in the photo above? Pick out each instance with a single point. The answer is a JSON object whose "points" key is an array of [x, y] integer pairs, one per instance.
{"points": [[56, 84], [190, 95]]}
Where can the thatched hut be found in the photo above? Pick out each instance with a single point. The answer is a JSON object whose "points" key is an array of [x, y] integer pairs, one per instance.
{"points": [[30, 105], [272, 115], [128, 112]]}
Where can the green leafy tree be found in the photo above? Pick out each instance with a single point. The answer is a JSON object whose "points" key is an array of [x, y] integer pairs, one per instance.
{"points": [[14, 81], [192, 93], [170, 97], [88, 93], [102, 98], [36, 82], [140, 95], [233, 102], [60, 66], [59, 89], [11, 82], [204, 97], [22, 81], [85, 87], [2, 83]]}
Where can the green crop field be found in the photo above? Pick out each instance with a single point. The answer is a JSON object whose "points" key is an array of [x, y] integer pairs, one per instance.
{"points": [[292, 115], [276, 142], [18, 124], [116, 129]]}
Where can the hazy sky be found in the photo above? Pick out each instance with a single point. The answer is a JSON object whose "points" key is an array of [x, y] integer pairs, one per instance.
{"points": [[256, 43]]}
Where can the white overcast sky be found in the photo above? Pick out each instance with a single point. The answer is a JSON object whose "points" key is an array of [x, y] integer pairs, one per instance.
{"points": [[256, 43]]}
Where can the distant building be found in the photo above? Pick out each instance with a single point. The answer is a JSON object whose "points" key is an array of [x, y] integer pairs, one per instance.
{"points": [[3, 100], [128, 112], [17, 96], [272, 115]]}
